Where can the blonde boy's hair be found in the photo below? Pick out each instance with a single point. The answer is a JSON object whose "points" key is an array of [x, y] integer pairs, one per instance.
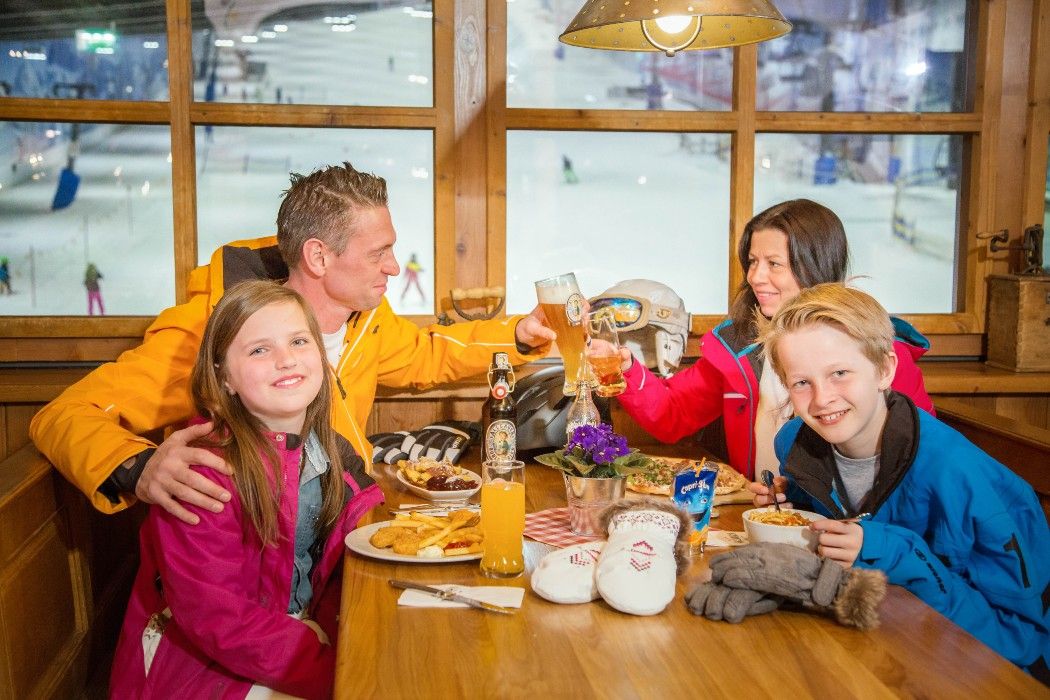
{"points": [[848, 310]]}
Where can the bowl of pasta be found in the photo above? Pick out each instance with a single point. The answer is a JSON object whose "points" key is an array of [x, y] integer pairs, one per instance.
{"points": [[787, 526]]}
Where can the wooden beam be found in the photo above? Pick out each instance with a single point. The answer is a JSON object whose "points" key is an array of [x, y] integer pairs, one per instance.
{"points": [[857, 123], [496, 141], [91, 111], [183, 149], [220, 114], [445, 166], [470, 152], [1037, 140], [619, 120], [742, 160]]}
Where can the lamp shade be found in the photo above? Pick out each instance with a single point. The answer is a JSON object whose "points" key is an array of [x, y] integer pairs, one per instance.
{"points": [[673, 25]]}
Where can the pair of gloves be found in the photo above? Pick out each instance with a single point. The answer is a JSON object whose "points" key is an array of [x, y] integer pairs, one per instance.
{"points": [[440, 441], [634, 571], [758, 578]]}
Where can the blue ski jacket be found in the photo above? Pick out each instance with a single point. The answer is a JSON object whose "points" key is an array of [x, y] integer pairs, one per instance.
{"points": [[949, 523]]}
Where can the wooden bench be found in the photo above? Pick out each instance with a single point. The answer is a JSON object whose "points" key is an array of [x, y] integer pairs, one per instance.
{"points": [[1023, 448]]}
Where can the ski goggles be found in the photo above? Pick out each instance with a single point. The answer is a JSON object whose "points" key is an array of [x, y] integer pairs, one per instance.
{"points": [[631, 313]]}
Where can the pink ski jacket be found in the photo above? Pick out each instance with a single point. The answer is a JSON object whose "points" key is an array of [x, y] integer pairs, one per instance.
{"points": [[724, 382], [228, 597]]}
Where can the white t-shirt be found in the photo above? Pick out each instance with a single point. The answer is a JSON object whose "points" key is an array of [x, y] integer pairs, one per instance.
{"points": [[333, 345], [774, 410]]}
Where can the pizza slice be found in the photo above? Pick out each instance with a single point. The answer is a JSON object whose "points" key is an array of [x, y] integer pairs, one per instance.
{"points": [[657, 479], [729, 480]]}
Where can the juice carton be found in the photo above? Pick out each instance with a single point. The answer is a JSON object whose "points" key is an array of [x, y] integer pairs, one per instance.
{"points": [[694, 490]]}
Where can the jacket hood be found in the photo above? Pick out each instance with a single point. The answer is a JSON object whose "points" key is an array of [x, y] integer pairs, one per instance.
{"points": [[915, 341], [733, 347], [252, 259]]}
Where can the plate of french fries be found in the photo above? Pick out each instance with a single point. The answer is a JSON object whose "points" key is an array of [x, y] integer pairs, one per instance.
{"points": [[419, 538]]}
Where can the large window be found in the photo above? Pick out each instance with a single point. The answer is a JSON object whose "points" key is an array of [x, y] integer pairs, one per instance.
{"points": [[613, 206], [902, 240], [85, 207], [241, 173], [325, 53], [102, 51], [510, 156], [543, 72], [867, 56]]}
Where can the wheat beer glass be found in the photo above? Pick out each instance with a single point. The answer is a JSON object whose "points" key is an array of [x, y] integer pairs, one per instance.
{"points": [[502, 518], [603, 352], [563, 305]]}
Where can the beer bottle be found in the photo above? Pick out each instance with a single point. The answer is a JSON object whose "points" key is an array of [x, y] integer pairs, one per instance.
{"points": [[499, 414], [583, 411]]}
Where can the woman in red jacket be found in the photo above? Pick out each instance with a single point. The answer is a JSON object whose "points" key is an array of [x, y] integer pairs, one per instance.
{"points": [[244, 603], [788, 247]]}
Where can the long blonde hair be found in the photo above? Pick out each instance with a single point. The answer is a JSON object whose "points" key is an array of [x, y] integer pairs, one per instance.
{"points": [[241, 436]]}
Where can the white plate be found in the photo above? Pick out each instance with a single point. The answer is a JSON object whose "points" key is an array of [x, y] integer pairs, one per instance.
{"points": [[442, 495], [357, 541]]}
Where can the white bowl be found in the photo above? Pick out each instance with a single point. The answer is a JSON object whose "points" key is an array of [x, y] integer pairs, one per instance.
{"points": [[443, 495], [797, 535]]}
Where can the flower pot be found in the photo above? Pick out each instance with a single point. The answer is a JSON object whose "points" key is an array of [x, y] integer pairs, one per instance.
{"points": [[588, 498]]}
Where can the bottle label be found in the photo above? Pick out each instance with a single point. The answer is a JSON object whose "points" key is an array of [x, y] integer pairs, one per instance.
{"points": [[578, 421], [501, 439], [500, 389], [574, 308]]}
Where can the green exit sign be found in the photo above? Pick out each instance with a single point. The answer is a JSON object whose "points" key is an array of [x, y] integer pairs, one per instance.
{"points": [[96, 40]]}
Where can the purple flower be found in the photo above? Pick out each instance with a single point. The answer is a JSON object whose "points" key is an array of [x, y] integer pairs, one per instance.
{"points": [[599, 444]]}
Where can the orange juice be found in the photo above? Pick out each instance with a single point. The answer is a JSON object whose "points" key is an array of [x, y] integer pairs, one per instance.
{"points": [[503, 522]]}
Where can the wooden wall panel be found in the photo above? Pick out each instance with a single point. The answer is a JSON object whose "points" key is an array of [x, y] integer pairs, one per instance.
{"points": [[37, 608], [23, 515], [15, 434]]}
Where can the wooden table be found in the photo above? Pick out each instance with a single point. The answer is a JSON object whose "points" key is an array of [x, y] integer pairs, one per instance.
{"points": [[548, 650]]}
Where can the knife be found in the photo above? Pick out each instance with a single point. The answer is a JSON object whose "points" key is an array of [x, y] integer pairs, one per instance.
{"points": [[449, 595]]}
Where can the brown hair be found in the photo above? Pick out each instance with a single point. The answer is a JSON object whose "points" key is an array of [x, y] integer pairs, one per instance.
{"points": [[239, 434], [848, 310], [324, 205], [817, 251]]}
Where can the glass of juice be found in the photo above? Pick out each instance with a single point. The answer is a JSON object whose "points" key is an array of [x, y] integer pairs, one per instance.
{"points": [[503, 518]]}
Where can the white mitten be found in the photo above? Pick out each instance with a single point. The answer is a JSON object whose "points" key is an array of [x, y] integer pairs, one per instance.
{"points": [[567, 575], [648, 547]]}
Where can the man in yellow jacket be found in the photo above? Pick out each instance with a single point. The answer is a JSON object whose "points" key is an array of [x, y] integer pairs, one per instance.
{"points": [[334, 246]]}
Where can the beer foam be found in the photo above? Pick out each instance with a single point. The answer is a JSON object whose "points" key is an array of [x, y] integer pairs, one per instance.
{"points": [[556, 294]]}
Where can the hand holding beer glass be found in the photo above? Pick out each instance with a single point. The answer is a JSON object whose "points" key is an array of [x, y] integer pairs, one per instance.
{"points": [[502, 518], [564, 307], [603, 352]]}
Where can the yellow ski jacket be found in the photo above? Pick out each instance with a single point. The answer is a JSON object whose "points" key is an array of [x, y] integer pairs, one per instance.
{"points": [[97, 423]]}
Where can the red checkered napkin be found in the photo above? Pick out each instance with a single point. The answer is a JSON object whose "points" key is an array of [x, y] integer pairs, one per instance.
{"points": [[551, 527]]}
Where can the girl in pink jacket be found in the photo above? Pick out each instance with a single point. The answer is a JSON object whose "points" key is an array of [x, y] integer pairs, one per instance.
{"points": [[786, 248], [245, 603]]}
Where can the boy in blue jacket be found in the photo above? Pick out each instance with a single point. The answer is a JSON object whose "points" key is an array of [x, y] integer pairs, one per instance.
{"points": [[904, 493]]}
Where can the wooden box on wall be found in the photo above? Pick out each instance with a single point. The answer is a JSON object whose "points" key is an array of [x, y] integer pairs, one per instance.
{"points": [[1019, 322]]}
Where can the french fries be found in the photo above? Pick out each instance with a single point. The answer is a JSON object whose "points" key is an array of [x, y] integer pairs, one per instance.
{"points": [[408, 533]]}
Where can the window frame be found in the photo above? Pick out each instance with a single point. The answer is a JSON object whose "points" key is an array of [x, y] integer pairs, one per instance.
{"points": [[469, 120]]}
